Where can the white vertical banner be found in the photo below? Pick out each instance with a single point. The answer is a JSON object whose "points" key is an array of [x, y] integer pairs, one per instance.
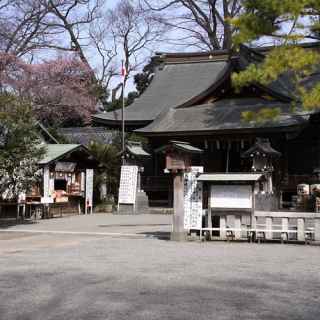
{"points": [[192, 199], [89, 189], [128, 185], [46, 182], [51, 186], [82, 182]]}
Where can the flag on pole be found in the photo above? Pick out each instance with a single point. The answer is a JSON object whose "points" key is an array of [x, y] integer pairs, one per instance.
{"points": [[123, 69]]}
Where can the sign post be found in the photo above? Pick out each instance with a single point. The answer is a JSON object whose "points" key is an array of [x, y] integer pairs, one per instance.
{"points": [[178, 162], [128, 186]]}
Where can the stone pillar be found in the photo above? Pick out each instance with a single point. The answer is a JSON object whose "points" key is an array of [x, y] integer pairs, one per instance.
{"points": [[301, 229], [269, 227], [223, 225], [285, 227], [178, 231], [209, 224], [317, 229], [253, 222], [237, 225]]}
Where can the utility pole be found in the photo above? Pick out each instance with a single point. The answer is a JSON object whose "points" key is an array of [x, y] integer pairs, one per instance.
{"points": [[123, 73]]}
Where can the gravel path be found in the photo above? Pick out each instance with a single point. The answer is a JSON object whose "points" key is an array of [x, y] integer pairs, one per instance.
{"points": [[55, 276]]}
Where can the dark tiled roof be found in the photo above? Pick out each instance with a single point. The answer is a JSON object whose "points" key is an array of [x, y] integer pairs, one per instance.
{"points": [[179, 145], [174, 85], [263, 146], [135, 148], [225, 114], [87, 135]]}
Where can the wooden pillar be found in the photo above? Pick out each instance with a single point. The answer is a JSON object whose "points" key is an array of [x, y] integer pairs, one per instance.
{"points": [[23, 212], [301, 229], [254, 222], [317, 229], [285, 176], [178, 231], [237, 226], [269, 234], [223, 226], [139, 180], [209, 217], [18, 213]]}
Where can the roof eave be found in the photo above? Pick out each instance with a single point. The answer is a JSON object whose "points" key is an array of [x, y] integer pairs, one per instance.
{"points": [[282, 129], [79, 146], [119, 121]]}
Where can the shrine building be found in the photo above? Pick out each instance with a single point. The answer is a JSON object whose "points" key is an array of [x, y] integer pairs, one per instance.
{"points": [[191, 100]]}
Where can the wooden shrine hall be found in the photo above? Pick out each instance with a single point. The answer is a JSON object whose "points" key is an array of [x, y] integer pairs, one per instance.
{"points": [[191, 99]]}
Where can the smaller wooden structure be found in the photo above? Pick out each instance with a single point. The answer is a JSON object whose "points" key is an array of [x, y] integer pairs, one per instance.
{"points": [[230, 201], [67, 181], [132, 199]]}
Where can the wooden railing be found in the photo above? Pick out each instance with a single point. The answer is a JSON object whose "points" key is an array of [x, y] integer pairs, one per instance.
{"points": [[284, 226]]}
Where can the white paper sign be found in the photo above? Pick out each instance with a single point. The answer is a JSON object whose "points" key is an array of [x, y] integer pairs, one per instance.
{"points": [[46, 182], [46, 200], [192, 199], [231, 196], [128, 184], [89, 187]]}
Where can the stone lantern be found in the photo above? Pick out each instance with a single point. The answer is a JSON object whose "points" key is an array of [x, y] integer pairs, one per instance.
{"points": [[262, 156]]}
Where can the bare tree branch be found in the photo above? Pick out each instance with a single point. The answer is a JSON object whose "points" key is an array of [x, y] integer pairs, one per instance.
{"points": [[205, 21]]}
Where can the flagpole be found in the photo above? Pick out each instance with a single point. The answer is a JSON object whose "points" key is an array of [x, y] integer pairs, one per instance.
{"points": [[122, 114]]}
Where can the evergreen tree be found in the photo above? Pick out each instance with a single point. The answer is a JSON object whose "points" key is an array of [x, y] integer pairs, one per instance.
{"points": [[143, 79], [20, 148], [288, 23]]}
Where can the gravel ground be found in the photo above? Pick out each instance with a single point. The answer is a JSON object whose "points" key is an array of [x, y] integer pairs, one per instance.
{"points": [[55, 276], [139, 225]]}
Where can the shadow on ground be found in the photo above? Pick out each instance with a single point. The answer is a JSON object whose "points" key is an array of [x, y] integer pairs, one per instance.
{"points": [[11, 222], [133, 225], [160, 235]]}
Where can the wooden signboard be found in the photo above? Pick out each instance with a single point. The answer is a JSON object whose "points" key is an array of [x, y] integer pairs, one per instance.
{"points": [[192, 199], [177, 161], [128, 185]]}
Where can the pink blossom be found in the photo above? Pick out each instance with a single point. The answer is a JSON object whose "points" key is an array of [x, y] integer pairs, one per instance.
{"points": [[60, 90]]}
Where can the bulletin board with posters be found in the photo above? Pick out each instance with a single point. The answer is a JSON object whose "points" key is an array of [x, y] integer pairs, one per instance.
{"points": [[193, 199], [231, 196], [128, 185]]}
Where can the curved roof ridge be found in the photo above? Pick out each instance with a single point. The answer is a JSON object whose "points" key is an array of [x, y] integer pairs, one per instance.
{"points": [[173, 85], [220, 78]]}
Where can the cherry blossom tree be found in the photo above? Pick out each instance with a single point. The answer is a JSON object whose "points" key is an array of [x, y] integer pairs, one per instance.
{"points": [[61, 91]]}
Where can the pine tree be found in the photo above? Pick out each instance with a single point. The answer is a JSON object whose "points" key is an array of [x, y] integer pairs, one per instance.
{"points": [[289, 23]]}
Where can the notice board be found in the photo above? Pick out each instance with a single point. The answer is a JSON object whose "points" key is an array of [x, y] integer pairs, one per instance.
{"points": [[192, 199], [128, 184], [231, 196]]}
